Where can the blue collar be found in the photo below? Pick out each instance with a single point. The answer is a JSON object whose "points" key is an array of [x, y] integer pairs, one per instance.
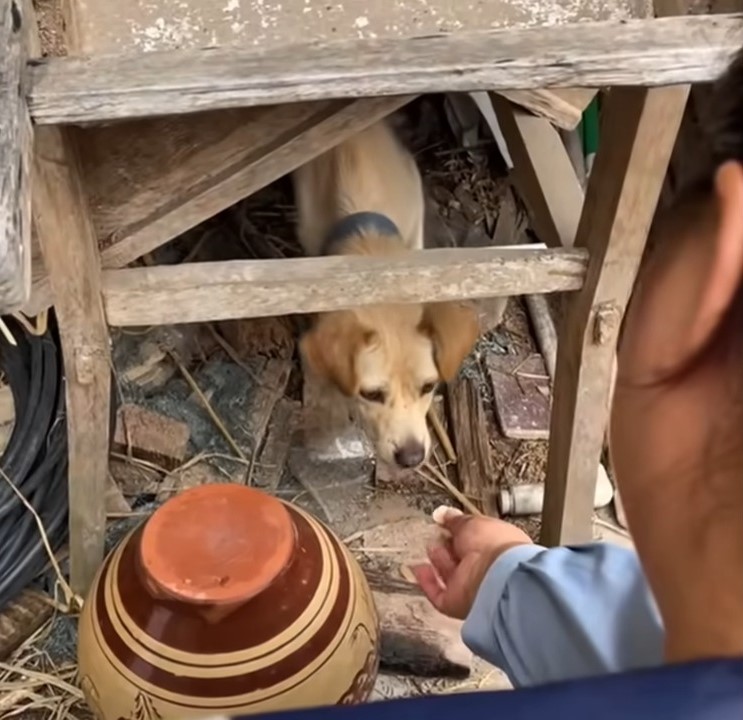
{"points": [[355, 224]]}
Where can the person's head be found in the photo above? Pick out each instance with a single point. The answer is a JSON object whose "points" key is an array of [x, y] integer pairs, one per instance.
{"points": [[677, 418]]}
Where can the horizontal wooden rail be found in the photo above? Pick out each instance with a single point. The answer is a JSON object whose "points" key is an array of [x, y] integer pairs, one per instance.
{"points": [[200, 292], [661, 51]]}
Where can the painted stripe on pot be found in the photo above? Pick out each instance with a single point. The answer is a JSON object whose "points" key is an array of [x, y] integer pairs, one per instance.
{"points": [[282, 605], [252, 687], [233, 663], [252, 697], [242, 702], [303, 628]]}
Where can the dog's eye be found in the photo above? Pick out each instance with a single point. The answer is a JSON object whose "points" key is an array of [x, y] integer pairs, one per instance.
{"points": [[375, 396], [428, 388]]}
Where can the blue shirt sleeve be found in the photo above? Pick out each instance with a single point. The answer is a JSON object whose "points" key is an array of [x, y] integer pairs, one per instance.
{"points": [[544, 615]]}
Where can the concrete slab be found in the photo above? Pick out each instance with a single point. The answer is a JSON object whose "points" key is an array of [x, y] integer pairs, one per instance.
{"points": [[103, 26]]}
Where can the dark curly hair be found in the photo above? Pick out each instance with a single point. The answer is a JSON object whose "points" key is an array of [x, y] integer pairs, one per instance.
{"points": [[725, 123], [721, 134]]}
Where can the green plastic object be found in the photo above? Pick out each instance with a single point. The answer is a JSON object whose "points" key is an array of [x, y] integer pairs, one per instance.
{"points": [[591, 128], [590, 133]]}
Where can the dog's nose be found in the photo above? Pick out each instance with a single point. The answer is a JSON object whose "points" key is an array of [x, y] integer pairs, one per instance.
{"points": [[410, 455]]}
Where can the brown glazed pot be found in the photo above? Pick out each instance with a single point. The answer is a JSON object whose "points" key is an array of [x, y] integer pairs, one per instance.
{"points": [[226, 601]]}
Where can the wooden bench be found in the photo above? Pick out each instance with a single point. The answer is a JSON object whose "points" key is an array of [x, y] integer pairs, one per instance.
{"points": [[173, 133]]}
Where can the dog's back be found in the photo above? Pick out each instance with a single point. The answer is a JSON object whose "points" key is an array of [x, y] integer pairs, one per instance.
{"points": [[370, 172]]}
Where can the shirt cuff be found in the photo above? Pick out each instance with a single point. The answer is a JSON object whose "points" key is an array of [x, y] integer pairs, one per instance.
{"points": [[478, 631]]}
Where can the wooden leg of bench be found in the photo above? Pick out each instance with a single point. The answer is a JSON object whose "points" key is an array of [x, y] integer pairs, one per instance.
{"points": [[638, 135], [68, 243]]}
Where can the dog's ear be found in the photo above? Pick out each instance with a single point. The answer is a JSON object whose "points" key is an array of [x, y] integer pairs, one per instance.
{"points": [[453, 328], [331, 346]]}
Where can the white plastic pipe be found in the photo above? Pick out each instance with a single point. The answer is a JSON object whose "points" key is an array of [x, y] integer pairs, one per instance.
{"points": [[529, 499]]}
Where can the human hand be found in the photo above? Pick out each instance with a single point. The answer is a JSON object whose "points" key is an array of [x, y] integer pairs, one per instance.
{"points": [[460, 560]]}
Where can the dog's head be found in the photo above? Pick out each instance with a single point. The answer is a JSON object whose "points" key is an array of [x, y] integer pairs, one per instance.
{"points": [[389, 359]]}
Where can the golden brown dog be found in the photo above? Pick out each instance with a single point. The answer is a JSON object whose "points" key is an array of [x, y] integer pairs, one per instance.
{"points": [[365, 197]]}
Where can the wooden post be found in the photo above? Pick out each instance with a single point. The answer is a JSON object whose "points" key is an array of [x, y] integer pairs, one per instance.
{"points": [[638, 135], [15, 162], [68, 243]]}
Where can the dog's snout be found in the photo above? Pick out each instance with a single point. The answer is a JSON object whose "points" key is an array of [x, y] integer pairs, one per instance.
{"points": [[410, 455]]}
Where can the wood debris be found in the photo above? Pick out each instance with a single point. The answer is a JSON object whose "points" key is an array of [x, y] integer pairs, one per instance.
{"points": [[21, 619], [273, 455], [470, 430]]}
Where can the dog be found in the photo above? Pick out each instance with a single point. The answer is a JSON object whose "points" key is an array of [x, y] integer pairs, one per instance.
{"points": [[365, 197]]}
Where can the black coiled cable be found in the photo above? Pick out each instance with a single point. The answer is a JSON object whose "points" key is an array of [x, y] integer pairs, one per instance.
{"points": [[35, 459]]}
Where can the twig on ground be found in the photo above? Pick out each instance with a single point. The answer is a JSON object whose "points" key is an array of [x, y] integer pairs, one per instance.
{"points": [[232, 354], [452, 489], [442, 435], [209, 409]]}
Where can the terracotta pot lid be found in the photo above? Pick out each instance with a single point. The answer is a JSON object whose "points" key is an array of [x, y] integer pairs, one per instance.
{"points": [[218, 544]]}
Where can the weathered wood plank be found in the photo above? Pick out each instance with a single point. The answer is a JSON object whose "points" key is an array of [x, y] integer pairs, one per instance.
{"points": [[638, 136], [16, 144], [67, 241], [470, 429], [563, 107], [521, 394], [258, 150], [664, 8], [652, 52], [20, 619], [199, 292], [274, 454], [143, 194], [70, 253]]}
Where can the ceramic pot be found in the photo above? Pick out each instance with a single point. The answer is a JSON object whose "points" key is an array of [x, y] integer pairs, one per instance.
{"points": [[226, 601]]}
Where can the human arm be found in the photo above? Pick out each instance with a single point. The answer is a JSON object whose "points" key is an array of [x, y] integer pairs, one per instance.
{"points": [[541, 614], [544, 615]]}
